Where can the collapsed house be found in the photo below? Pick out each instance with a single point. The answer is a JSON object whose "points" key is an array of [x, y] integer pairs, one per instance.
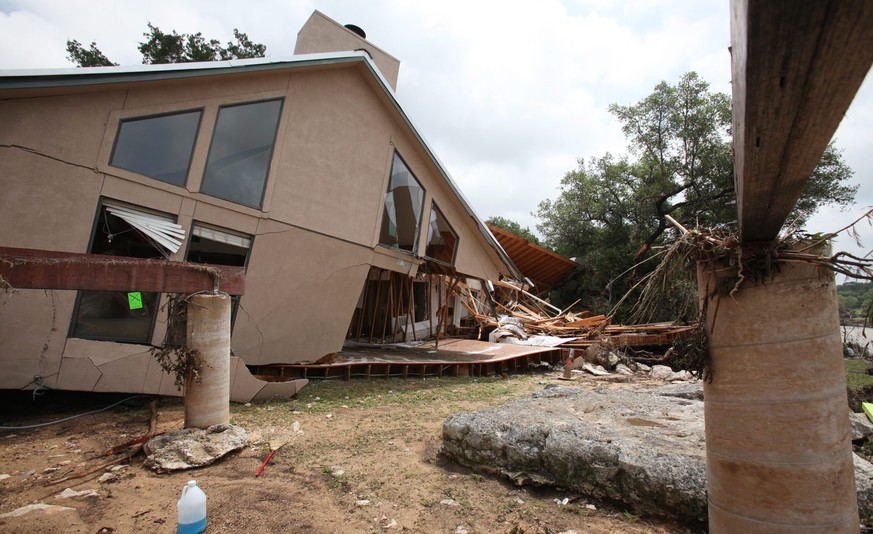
{"points": [[306, 171]]}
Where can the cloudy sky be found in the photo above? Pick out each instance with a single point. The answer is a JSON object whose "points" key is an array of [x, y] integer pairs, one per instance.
{"points": [[509, 93]]}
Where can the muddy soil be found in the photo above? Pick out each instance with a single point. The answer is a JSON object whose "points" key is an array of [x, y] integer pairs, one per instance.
{"points": [[367, 460]]}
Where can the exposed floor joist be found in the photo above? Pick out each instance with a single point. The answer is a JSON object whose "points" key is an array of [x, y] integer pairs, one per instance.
{"points": [[797, 65]]}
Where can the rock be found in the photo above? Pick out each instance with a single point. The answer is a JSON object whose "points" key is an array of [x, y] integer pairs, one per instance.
{"points": [[192, 447], [643, 368], [645, 448], [623, 369], [598, 355], [362, 502], [679, 376], [661, 372], [69, 493], [41, 517], [864, 486], [46, 509], [450, 502], [107, 477], [690, 391], [861, 425], [4, 476], [609, 443], [595, 370]]}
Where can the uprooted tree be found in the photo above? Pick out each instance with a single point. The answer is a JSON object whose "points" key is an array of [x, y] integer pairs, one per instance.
{"points": [[612, 211], [160, 47]]}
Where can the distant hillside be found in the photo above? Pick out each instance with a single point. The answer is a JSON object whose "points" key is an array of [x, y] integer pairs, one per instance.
{"points": [[855, 299]]}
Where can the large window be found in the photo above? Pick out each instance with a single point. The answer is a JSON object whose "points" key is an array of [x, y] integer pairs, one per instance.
{"points": [[404, 201], [122, 230], [159, 147], [239, 157], [442, 241], [209, 244]]}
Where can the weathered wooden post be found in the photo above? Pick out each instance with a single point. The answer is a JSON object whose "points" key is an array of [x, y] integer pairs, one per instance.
{"points": [[778, 445], [207, 402]]}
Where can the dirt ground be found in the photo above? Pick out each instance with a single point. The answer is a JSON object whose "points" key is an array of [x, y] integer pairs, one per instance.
{"points": [[367, 460]]}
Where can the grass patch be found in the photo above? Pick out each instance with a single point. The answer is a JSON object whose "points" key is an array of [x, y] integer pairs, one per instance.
{"points": [[327, 396], [856, 374]]}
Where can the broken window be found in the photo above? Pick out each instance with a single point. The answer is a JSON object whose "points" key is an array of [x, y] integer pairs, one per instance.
{"points": [[124, 316], [241, 150], [442, 241], [404, 201], [159, 147], [219, 247]]}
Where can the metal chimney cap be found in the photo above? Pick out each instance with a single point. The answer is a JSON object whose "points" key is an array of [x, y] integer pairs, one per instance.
{"points": [[357, 30]]}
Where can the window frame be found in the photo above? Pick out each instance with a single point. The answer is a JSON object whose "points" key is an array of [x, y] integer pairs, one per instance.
{"points": [[71, 333], [418, 224], [435, 209], [120, 122], [219, 108]]}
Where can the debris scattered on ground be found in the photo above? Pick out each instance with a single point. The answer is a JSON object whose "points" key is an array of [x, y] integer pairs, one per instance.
{"points": [[43, 508], [69, 493], [193, 447], [518, 316]]}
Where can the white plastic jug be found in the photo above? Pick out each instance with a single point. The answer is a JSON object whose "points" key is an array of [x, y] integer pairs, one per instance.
{"points": [[191, 509]]}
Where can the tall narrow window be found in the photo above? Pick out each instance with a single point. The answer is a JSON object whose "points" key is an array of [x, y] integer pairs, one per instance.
{"points": [[220, 247], [241, 150], [404, 201], [159, 147], [121, 315], [442, 241]]}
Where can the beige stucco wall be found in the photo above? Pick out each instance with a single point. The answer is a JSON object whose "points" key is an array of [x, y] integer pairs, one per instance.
{"points": [[314, 239]]}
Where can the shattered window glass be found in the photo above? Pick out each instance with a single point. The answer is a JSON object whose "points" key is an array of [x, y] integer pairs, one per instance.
{"points": [[114, 315], [159, 147], [240, 153], [442, 241], [403, 205]]}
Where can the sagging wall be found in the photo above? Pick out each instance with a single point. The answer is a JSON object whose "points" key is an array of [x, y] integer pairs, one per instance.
{"points": [[313, 240]]}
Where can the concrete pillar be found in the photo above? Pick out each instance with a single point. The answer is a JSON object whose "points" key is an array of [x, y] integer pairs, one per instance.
{"points": [[207, 402], [778, 445]]}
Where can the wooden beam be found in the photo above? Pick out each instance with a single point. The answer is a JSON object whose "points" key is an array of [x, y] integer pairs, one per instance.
{"points": [[796, 67], [43, 269]]}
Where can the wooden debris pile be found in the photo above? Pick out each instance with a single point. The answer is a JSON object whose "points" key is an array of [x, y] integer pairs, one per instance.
{"points": [[537, 317]]}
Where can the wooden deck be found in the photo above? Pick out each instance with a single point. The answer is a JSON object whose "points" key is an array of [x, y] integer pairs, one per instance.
{"points": [[454, 357]]}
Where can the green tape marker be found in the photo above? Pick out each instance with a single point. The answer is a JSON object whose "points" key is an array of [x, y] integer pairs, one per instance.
{"points": [[134, 299]]}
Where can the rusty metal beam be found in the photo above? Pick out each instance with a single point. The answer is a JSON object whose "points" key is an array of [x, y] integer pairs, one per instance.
{"points": [[796, 66], [43, 269]]}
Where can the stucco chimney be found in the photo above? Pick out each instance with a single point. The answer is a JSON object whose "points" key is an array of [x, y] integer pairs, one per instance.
{"points": [[320, 34]]}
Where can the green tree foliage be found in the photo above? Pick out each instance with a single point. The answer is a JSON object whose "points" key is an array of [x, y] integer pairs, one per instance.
{"points": [[160, 47], [514, 228], [855, 299], [611, 210], [91, 57]]}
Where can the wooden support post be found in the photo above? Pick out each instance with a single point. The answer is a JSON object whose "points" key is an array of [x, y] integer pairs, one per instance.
{"points": [[778, 449], [207, 402], [363, 308], [376, 304]]}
